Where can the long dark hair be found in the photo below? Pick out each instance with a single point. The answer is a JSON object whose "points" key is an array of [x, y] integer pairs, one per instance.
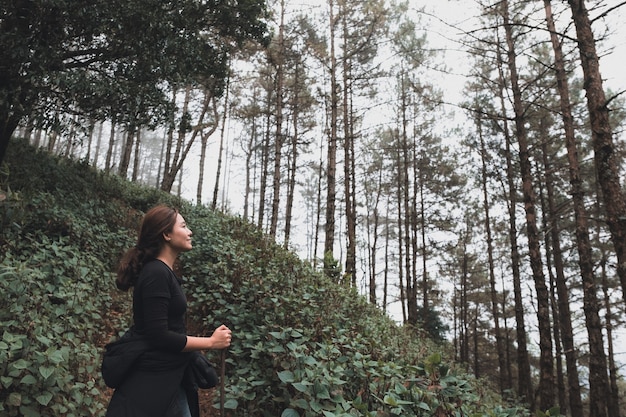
{"points": [[157, 221]]}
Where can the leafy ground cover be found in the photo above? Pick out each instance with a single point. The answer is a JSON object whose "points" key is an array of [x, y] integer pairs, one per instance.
{"points": [[303, 346]]}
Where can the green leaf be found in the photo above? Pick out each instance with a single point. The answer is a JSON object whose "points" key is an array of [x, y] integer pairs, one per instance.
{"points": [[46, 371], [15, 399], [231, 404], [286, 376], [302, 403], [28, 411], [302, 386], [28, 380], [56, 357], [44, 340], [289, 412], [20, 364], [6, 381], [321, 391], [44, 398]]}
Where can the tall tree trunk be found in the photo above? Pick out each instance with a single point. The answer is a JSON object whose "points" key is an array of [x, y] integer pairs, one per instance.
{"points": [[613, 408], [109, 156], [318, 208], [7, 127], [265, 161], [204, 140], [582, 233], [169, 143], [420, 172], [137, 159], [127, 150], [552, 246], [280, 137], [331, 161], [525, 386], [373, 253], [386, 265], [477, 370], [92, 126], [507, 340], [220, 151], [607, 161], [399, 202], [96, 155], [463, 303], [492, 275], [250, 174], [174, 165], [348, 152], [291, 183], [546, 372], [404, 209]]}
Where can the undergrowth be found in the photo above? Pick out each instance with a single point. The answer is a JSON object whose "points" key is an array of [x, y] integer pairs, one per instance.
{"points": [[303, 346]]}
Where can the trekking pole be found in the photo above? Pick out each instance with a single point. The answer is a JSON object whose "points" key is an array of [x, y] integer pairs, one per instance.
{"points": [[222, 376]]}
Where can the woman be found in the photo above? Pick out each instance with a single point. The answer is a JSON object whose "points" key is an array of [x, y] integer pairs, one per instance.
{"points": [[154, 379]]}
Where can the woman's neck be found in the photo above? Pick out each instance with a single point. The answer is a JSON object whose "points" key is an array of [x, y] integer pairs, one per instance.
{"points": [[168, 258]]}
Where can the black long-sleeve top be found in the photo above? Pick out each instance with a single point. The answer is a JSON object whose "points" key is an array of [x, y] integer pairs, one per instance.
{"points": [[159, 307]]}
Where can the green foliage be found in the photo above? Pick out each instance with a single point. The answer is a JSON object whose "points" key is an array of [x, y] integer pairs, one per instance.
{"points": [[430, 321], [115, 59], [303, 345]]}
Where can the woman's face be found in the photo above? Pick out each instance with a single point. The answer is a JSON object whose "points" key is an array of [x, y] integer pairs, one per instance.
{"points": [[179, 239]]}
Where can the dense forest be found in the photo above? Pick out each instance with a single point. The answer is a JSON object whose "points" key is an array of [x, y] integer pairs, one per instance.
{"points": [[497, 222]]}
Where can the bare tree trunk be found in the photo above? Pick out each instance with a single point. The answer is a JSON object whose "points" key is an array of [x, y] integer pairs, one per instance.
{"points": [[399, 205], [348, 164], [265, 156], [463, 303], [109, 157], [607, 161], [127, 150], [507, 339], [173, 162], [92, 125], [492, 278], [280, 136], [582, 233], [331, 161], [613, 408], [137, 160], [552, 246], [174, 166], [546, 372], [162, 152], [404, 210], [250, 174], [477, 370], [386, 266], [318, 210], [291, 183], [525, 386], [96, 155], [374, 244], [597, 362], [421, 175], [220, 152]]}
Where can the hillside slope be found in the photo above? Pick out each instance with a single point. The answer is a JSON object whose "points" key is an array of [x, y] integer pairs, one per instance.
{"points": [[303, 346]]}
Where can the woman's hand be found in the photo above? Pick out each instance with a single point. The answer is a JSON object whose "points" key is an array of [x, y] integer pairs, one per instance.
{"points": [[221, 337]]}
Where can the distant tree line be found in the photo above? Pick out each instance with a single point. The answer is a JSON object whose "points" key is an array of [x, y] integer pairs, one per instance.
{"points": [[509, 221]]}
